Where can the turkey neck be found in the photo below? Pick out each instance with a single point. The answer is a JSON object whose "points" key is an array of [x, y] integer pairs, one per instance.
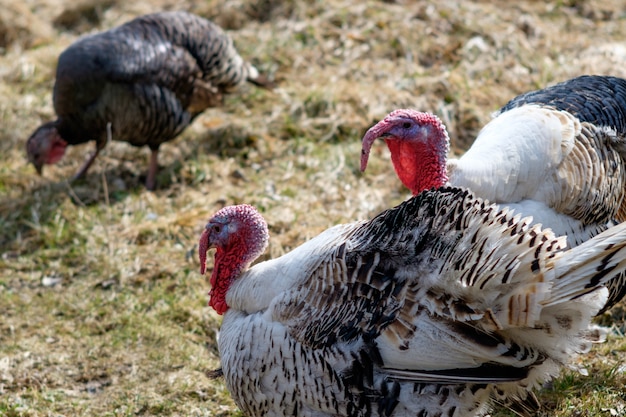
{"points": [[229, 264], [420, 166]]}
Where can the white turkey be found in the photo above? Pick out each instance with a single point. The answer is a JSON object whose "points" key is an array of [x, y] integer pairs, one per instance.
{"points": [[436, 307], [556, 154], [142, 82]]}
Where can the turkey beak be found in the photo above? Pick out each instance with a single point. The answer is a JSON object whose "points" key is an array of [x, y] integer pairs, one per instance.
{"points": [[38, 168], [37, 163]]}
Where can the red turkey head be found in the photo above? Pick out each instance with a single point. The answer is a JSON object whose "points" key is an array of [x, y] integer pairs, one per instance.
{"points": [[419, 145], [239, 234], [45, 146]]}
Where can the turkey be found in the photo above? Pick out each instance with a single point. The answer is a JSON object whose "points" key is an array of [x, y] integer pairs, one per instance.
{"points": [[555, 154], [142, 83], [438, 306]]}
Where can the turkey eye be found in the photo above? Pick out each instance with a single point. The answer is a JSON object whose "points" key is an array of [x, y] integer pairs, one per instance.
{"points": [[406, 125], [216, 228]]}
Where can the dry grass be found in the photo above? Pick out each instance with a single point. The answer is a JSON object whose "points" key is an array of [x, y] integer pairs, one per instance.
{"points": [[103, 311]]}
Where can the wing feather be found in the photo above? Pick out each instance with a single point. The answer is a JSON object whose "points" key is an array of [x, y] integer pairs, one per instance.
{"points": [[426, 277]]}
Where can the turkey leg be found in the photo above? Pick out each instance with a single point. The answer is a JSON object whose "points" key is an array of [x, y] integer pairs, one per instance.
{"points": [[152, 169], [83, 170], [99, 146]]}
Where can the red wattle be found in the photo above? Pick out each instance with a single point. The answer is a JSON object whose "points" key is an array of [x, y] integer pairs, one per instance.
{"points": [[217, 301], [417, 166]]}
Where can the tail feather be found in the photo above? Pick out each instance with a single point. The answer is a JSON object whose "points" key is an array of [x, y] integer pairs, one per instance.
{"points": [[587, 267], [258, 79]]}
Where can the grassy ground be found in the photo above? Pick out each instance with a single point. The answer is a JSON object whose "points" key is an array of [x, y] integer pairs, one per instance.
{"points": [[102, 309]]}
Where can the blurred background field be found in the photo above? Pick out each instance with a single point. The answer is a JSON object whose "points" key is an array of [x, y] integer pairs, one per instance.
{"points": [[102, 309]]}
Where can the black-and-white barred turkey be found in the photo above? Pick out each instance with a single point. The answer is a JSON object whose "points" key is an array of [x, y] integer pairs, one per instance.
{"points": [[433, 308], [142, 83]]}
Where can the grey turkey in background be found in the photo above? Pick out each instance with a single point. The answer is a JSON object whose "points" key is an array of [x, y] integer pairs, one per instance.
{"points": [[142, 82]]}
